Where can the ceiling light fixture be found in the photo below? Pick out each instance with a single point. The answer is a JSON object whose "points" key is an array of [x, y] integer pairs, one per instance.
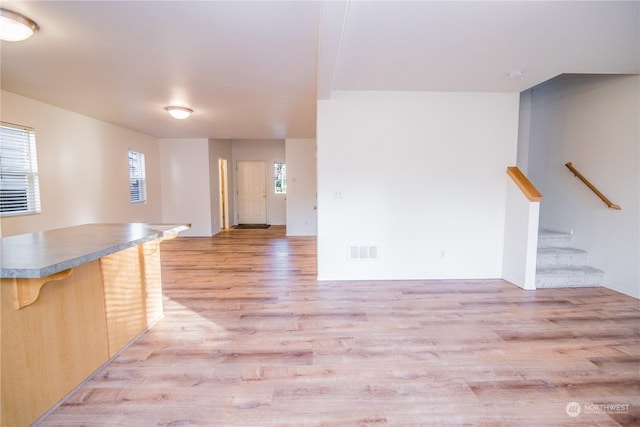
{"points": [[514, 74], [15, 27], [179, 113]]}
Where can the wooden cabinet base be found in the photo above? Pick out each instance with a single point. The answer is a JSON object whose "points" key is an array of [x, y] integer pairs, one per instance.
{"points": [[52, 345]]}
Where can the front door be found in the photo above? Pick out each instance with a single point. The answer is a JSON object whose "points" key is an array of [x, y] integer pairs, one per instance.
{"points": [[252, 193]]}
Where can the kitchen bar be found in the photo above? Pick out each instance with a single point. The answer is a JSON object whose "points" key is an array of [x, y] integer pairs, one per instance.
{"points": [[71, 299]]}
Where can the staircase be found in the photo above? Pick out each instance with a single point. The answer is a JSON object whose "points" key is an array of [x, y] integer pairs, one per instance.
{"points": [[561, 266]]}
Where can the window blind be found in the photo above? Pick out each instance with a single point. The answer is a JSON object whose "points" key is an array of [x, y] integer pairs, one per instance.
{"points": [[137, 178], [19, 186]]}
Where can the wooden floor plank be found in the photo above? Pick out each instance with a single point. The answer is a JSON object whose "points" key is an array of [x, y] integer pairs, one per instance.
{"points": [[251, 338]]}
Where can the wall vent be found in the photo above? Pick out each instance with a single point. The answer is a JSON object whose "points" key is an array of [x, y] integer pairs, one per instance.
{"points": [[357, 252]]}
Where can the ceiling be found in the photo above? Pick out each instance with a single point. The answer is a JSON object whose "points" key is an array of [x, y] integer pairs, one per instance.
{"points": [[254, 70]]}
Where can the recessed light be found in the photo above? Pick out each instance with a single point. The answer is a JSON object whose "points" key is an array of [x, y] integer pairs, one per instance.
{"points": [[179, 113], [514, 74], [15, 27]]}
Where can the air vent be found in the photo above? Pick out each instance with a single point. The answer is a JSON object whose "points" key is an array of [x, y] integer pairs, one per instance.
{"points": [[359, 252]]}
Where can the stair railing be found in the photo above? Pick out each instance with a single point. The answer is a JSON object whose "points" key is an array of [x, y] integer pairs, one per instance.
{"points": [[523, 183], [592, 187]]}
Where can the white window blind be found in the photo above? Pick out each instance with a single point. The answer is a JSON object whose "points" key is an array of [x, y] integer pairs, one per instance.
{"points": [[19, 187], [137, 177]]}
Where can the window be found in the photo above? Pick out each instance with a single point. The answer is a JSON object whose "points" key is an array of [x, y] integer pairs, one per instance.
{"points": [[19, 187], [137, 178], [280, 178]]}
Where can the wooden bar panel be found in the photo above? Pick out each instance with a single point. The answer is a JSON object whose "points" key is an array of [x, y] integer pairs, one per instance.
{"points": [[133, 292], [52, 345], [125, 297], [152, 277]]}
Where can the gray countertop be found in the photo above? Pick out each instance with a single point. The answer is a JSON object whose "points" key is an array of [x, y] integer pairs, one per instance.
{"points": [[44, 253]]}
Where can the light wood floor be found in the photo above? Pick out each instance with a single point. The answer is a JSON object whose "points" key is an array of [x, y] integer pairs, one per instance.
{"points": [[250, 338]]}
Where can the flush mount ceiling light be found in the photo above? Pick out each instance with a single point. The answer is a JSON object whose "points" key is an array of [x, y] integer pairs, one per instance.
{"points": [[15, 27], [179, 113], [514, 74]]}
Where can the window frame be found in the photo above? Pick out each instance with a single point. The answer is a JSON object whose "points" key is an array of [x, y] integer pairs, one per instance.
{"points": [[18, 169], [280, 177]]}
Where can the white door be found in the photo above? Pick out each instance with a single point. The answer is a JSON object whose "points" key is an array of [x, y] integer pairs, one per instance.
{"points": [[252, 193]]}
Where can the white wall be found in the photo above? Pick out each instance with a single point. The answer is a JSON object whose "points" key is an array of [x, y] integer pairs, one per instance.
{"points": [[592, 121], [301, 187], [420, 175], [186, 195], [83, 168], [220, 149], [268, 151], [520, 238]]}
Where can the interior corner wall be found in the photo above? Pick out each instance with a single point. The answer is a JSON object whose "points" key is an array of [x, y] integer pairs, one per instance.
{"points": [[83, 168], [421, 176], [186, 195], [524, 131], [301, 187], [268, 151], [220, 149], [593, 122]]}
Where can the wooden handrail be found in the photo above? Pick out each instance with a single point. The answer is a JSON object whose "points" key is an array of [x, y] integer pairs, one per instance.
{"points": [[591, 186], [527, 188]]}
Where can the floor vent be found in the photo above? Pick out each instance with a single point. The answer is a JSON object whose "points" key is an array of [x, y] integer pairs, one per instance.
{"points": [[363, 252]]}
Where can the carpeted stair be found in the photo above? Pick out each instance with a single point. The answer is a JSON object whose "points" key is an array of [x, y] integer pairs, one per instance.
{"points": [[561, 266]]}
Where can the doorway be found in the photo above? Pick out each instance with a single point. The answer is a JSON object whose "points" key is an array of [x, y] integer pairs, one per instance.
{"points": [[252, 193], [224, 193]]}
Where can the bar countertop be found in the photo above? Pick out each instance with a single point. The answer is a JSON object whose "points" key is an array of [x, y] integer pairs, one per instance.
{"points": [[41, 254]]}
